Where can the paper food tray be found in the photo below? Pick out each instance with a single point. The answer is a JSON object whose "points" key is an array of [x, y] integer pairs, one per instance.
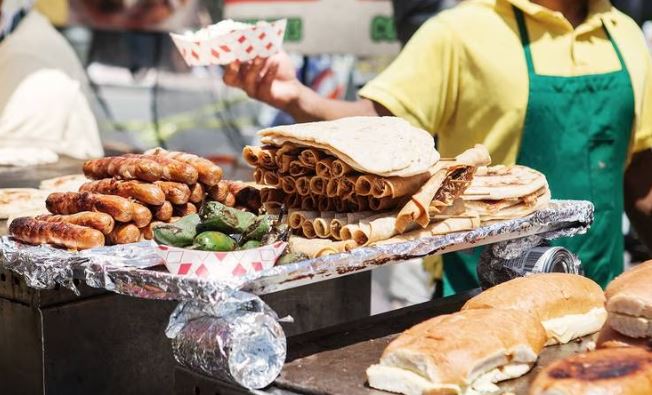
{"points": [[219, 265], [263, 39]]}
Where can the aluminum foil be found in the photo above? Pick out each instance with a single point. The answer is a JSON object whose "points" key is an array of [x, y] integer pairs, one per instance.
{"points": [[562, 218], [119, 268], [42, 267], [238, 339]]}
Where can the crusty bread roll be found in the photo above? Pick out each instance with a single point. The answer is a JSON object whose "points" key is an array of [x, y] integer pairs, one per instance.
{"points": [[610, 371], [468, 350], [629, 302], [569, 306]]}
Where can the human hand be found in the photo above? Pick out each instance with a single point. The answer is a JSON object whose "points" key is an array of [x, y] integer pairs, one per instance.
{"points": [[271, 80]]}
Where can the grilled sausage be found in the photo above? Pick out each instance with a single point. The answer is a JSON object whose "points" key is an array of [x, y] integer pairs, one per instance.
{"points": [[219, 192], [124, 167], [197, 193], [173, 170], [118, 207], [32, 231], [142, 216], [184, 209], [148, 231], [175, 192], [124, 234], [163, 212], [141, 191], [209, 173], [99, 221]]}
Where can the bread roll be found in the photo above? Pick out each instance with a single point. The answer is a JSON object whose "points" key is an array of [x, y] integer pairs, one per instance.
{"points": [[629, 302], [611, 371], [465, 351], [569, 306]]}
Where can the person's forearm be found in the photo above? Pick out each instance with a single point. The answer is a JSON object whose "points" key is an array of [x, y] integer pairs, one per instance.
{"points": [[638, 196], [309, 106], [640, 216]]}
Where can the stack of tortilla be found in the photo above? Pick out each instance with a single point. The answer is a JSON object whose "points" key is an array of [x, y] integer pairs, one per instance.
{"points": [[501, 193], [361, 180]]}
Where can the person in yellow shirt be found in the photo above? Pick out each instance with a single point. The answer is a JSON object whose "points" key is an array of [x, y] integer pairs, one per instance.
{"points": [[561, 86]]}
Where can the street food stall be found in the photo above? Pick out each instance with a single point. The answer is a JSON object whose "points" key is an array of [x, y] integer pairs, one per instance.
{"points": [[110, 276], [249, 316]]}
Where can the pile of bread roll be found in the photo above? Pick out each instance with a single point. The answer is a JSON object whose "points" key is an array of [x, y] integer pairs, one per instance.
{"points": [[499, 334], [128, 195]]}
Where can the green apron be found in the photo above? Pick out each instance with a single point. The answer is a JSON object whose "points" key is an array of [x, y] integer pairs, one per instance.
{"points": [[577, 132]]}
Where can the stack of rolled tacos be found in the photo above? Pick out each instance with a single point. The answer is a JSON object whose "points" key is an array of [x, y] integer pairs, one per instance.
{"points": [[362, 181], [501, 193]]}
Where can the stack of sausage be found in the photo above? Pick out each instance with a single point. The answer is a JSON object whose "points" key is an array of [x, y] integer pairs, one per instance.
{"points": [[128, 195]]}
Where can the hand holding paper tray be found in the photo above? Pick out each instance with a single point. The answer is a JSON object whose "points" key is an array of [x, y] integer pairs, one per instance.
{"points": [[228, 41]]}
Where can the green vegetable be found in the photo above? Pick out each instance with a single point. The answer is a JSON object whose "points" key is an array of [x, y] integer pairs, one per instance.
{"points": [[216, 216], [214, 241], [290, 257], [250, 244], [178, 234], [259, 228]]}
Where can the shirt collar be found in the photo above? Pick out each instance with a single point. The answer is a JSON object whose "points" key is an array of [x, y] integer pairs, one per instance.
{"points": [[599, 11]]}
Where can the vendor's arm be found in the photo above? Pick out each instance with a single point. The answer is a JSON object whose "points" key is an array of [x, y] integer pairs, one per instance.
{"points": [[273, 81], [420, 85], [638, 177]]}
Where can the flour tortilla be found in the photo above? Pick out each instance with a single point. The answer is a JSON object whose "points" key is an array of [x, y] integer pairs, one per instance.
{"points": [[519, 210], [70, 183], [504, 182], [336, 225], [315, 248], [324, 166], [20, 200], [296, 218], [310, 156], [288, 184], [385, 146], [375, 228], [444, 227], [443, 174], [322, 224]]}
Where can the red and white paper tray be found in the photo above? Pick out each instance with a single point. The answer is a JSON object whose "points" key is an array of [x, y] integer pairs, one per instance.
{"points": [[220, 265], [228, 41]]}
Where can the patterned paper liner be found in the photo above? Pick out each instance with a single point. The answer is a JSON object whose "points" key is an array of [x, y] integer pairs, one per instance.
{"points": [[219, 265], [263, 39]]}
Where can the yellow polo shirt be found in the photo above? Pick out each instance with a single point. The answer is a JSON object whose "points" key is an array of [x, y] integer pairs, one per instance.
{"points": [[463, 75]]}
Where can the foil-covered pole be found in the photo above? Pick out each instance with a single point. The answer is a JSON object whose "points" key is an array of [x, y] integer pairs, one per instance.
{"points": [[238, 339]]}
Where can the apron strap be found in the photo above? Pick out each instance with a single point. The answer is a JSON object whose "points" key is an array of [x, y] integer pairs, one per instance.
{"points": [[525, 41], [615, 47], [525, 38]]}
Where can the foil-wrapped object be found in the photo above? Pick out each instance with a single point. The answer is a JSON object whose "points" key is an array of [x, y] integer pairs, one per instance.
{"points": [[238, 339]]}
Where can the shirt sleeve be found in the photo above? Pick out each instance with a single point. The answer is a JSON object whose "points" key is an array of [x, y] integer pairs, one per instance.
{"points": [[421, 84], [643, 128]]}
